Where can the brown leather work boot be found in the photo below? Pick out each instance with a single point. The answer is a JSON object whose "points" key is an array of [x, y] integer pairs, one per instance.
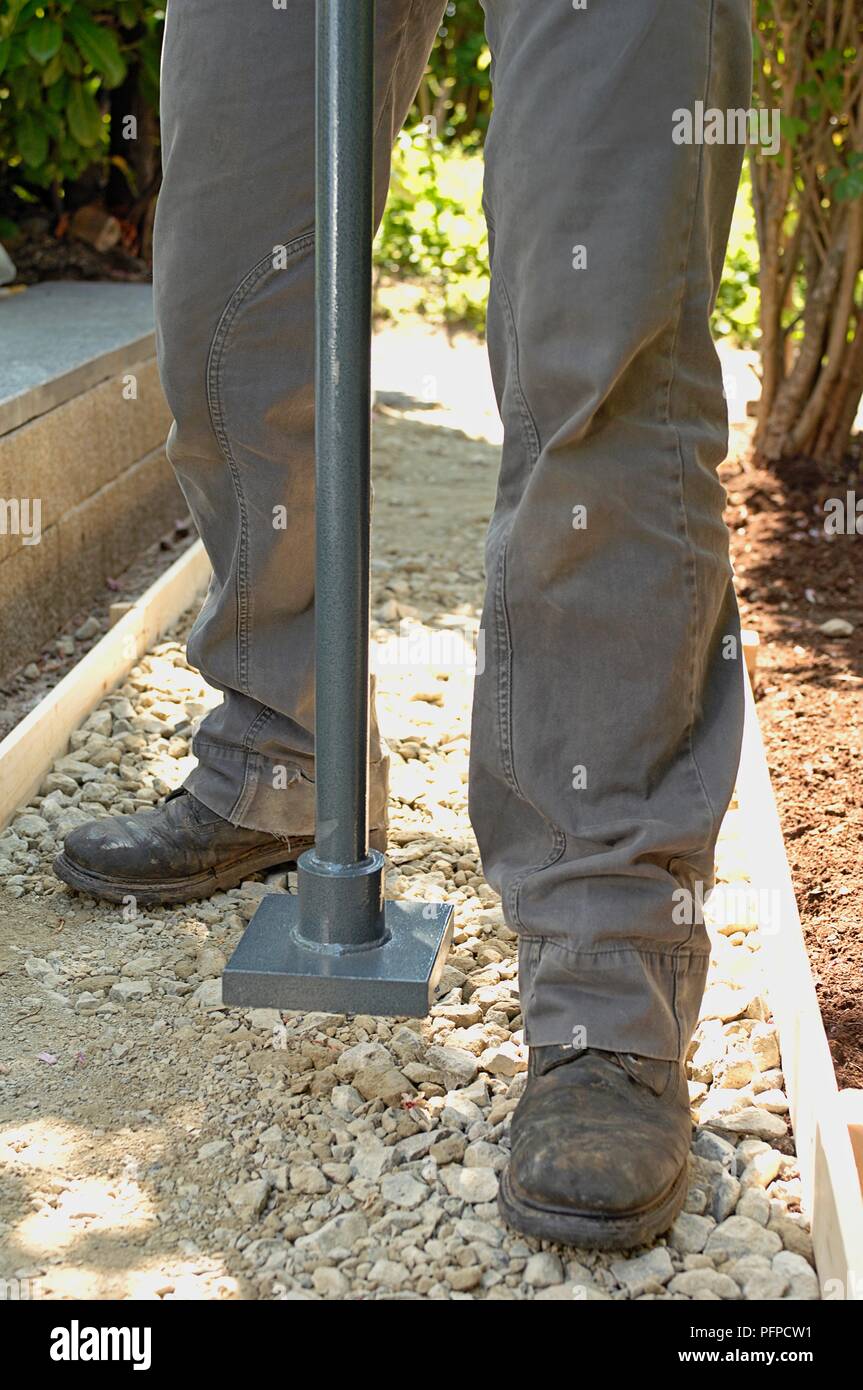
{"points": [[177, 852], [599, 1149]]}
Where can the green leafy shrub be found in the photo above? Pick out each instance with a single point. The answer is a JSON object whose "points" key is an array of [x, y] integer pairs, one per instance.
{"points": [[59, 60], [738, 302], [433, 228]]}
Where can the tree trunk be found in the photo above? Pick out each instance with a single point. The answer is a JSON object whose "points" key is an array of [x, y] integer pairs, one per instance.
{"points": [[809, 216]]}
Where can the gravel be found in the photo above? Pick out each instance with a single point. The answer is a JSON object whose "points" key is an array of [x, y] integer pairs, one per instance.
{"points": [[224, 1153]]}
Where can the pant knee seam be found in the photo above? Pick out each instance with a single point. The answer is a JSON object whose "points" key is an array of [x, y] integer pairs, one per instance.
{"points": [[214, 377], [530, 430]]}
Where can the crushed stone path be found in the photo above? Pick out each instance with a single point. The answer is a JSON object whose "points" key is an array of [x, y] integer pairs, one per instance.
{"points": [[156, 1144]]}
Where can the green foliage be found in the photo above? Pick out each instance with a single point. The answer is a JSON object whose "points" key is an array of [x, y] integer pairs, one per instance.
{"points": [[433, 228], [735, 317], [59, 59]]}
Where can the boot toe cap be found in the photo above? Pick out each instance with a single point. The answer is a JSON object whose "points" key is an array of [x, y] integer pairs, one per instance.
{"points": [[591, 1174], [103, 847], [585, 1139]]}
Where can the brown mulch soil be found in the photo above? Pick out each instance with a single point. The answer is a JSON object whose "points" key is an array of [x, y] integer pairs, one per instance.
{"points": [[39, 254], [791, 577]]}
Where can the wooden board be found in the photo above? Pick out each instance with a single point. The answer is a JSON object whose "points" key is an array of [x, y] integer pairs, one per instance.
{"points": [[829, 1176], [28, 752]]}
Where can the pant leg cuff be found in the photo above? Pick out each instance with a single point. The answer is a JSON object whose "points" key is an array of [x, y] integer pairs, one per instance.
{"points": [[277, 798], [622, 1000], [248, 790]]}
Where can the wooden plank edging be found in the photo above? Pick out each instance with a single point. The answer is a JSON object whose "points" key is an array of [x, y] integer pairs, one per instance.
{"points": [[28, 752], [831, 1186]]}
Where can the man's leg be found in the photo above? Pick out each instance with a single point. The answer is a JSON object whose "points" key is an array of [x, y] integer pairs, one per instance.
{"points": [[234, 289], [607, 722], [234, 275]]}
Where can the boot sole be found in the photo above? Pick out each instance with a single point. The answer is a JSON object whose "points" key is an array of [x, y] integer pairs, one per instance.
{"points": [[593, 1231], [183, 890]]}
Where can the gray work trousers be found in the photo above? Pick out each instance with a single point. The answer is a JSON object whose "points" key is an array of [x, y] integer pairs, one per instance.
{"points": [[607, 720]]}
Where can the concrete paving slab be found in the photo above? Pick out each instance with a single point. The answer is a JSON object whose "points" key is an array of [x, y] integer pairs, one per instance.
{"points": [[63, 336]]}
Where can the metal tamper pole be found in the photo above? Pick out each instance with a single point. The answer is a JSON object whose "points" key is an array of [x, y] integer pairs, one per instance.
{"points": [[336, 945]]}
